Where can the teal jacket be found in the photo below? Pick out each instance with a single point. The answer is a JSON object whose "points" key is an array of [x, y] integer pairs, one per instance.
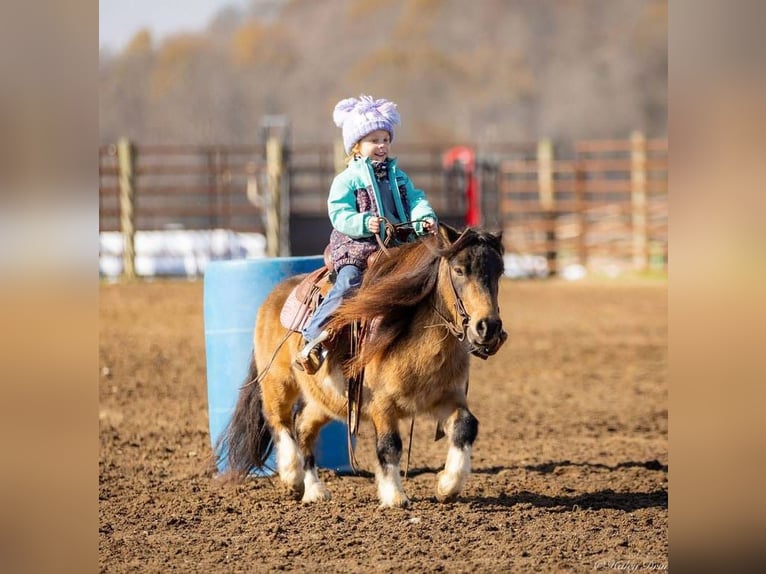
{"points": [[343, 207], [355, 199]]}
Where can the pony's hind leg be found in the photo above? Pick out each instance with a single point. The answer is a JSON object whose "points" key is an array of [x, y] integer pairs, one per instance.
{"points": [[389, 450], [461, 429], [278, 399], [309, 420]]}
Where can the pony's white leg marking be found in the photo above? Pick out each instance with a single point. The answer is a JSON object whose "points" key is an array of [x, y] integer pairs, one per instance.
{"points": [[450, 481], [314, 489], [390, 491], [289, 461]]}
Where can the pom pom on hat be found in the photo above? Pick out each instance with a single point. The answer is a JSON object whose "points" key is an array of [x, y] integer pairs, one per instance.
{"points": [[358, 117]]}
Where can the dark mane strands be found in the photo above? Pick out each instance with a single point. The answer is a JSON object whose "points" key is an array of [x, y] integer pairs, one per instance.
{"points": [[392, 287]]}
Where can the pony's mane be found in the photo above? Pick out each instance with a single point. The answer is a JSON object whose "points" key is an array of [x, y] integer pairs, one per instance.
{"points": [[396, 283]]}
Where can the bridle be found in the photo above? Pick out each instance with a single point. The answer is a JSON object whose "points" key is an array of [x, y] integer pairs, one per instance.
{"points": [[457, 325]]}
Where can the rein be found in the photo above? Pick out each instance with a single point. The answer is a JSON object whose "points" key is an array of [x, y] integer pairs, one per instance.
{"points": [[391, 233], [358, 332]]}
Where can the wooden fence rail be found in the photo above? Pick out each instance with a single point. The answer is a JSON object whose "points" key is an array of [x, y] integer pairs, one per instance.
{"points": [[594, 203], [605, 205]]}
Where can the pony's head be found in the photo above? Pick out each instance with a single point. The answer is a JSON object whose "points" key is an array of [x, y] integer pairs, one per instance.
{"points": [[472, 264]]}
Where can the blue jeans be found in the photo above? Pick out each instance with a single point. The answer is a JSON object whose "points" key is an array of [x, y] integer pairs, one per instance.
{"points": [[349, 278]]}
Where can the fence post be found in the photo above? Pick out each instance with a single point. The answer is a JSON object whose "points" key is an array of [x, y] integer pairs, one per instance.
{"points": [[274, 169], [638, 200], [547, 201], [224, 173], [582, 216], [126, 160], [212, 188], [285, 185]]}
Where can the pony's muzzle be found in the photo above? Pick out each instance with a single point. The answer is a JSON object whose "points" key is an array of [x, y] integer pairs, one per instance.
{"points": [[488, 329], [487, 336]]}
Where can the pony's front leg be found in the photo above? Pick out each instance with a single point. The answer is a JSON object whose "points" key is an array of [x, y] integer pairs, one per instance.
{"points": [[461, 429], [389, 450], [309, 422]]}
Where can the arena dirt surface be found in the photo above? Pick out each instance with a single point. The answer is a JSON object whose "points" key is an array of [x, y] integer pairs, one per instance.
{"points": [[570, 466]]}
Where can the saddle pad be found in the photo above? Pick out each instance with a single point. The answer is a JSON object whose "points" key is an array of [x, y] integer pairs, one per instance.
{"points": [[303, 299]]}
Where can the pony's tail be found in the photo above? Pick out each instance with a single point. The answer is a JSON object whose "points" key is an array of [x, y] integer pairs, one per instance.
{"points": [[246, 443]]}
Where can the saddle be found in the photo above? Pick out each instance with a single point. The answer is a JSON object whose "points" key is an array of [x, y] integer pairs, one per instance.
{"points": [[306, 296], [303, 300]]}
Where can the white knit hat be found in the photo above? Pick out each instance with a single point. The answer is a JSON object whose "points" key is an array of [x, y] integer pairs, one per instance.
{"points": [[359, 117]]}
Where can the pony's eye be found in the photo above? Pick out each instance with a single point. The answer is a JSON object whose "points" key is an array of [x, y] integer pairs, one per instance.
{"points": [[459, 271]]}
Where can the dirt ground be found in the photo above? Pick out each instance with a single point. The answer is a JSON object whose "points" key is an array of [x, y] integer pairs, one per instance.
{"points": [[570, 466]]}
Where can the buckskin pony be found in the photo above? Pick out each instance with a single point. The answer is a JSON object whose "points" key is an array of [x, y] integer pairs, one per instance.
{"points": [[434, 303]]}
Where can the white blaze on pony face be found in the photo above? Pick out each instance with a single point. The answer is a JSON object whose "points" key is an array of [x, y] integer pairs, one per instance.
{"points": [[450, 481], [289, 461]]}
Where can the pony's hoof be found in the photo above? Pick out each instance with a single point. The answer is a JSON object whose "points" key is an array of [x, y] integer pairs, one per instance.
{"points": [[317, 493], [397, 502], [294, 491], [447, 487], [446, 498], [292, 483]]}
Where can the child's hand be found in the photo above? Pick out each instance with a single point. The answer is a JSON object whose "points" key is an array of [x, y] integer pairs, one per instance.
{"points": [[374, 224], [431, 226]]}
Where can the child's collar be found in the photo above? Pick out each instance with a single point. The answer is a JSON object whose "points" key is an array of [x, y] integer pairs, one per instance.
{"points": [[367, 160]]}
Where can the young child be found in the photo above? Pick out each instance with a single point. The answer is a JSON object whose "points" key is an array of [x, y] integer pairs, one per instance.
{"points": [[371, 187]]}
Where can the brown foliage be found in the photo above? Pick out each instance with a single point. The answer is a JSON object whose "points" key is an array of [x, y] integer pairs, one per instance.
{"points": [[500, 71]]}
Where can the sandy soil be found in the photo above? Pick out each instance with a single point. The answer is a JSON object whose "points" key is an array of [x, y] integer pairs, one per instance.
{"points": [[570, 466]]}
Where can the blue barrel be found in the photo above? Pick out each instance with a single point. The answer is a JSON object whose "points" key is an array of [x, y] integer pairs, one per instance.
{"points": [[233, 292]]}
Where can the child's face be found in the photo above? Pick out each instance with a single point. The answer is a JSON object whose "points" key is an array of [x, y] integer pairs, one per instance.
{"points": [[375, 145]]}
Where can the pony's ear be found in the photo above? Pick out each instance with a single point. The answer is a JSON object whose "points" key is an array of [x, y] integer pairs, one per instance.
{"points": [[449, 234], [499, 238]]}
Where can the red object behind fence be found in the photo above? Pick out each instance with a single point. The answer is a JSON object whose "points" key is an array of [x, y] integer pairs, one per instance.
{"points": [[466, 157]]}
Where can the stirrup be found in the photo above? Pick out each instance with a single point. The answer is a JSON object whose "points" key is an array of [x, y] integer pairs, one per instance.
{"points": [[312, 356]]}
